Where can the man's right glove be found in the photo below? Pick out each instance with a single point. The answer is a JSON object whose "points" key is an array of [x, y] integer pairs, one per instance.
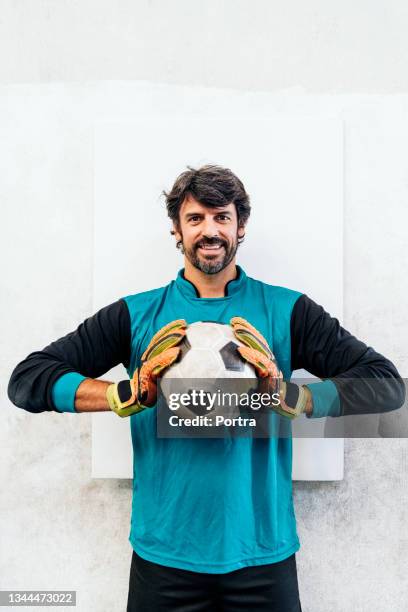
{"points": [[131, 396]]}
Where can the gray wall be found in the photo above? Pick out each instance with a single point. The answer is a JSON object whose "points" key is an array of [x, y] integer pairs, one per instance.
{"points": [[59, 528]]}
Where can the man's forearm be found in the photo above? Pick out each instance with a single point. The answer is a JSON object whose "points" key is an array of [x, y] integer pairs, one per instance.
{"points": [[91, 396]]}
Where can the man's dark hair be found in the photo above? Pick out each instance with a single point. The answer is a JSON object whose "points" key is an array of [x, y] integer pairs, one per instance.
{"points": [[210, 185]]}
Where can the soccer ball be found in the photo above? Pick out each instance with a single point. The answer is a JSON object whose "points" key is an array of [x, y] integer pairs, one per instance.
{"points": [[209, 362]]}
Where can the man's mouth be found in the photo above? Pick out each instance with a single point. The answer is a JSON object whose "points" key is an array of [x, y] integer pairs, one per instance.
{"points": [[213, 248], [210, 246]]}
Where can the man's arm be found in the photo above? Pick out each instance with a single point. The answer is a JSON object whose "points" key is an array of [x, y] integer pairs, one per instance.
{"points": [[90, 396], [60, 377], [325, 349]]}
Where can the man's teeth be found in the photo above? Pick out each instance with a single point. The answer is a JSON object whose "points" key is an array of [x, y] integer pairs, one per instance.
{"points": [[212, 247]]}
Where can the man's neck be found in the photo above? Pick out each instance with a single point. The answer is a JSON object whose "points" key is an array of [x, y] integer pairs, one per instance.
{"points": [[210, 285]]}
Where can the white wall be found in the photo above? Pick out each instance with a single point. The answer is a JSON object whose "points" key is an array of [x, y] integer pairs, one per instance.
{"points": [[315, 45], [60, 529]]}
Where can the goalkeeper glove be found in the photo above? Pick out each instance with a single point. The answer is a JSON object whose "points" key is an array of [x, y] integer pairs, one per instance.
{"points": [[132, 396], [256, 351]]}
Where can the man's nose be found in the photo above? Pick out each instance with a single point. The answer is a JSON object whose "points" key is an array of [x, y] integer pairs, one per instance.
{"points": [[209, 228]]}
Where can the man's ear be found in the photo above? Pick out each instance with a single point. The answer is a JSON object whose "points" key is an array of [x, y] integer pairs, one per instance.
{"points": [[241, 231], [176, 232]]}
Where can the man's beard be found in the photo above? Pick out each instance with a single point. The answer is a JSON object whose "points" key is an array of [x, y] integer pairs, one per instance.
{"points": [[211, 266]]}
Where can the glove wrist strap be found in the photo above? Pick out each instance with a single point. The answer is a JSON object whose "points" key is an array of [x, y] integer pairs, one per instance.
{"points": [[122, 399]]}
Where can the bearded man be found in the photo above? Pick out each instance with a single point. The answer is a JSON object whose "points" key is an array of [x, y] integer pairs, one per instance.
{"points": [[213, 524]]}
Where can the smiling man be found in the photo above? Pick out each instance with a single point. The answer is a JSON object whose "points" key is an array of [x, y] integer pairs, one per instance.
{"points": [[213, 525], [209, 238]]}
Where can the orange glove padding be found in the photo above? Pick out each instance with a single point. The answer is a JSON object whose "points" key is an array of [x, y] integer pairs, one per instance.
{"points": [[131, 396], [293, 398]]}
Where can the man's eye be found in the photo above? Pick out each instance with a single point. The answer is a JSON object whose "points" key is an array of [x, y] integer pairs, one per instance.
{"points": [[194, 219], [223, 217]]}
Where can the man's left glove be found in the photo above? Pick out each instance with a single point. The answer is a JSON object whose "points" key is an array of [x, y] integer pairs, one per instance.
{"points": [[256, 351], [131, 396]]}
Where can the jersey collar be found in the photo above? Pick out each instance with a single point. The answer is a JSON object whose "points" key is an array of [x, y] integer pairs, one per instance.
{"points": [[231, 288]]}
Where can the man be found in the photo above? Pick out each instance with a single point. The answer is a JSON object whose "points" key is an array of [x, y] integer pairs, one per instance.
{"points": [[213, 525]]}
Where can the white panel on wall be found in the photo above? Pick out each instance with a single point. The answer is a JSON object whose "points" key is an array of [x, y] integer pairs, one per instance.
{"points": [[292, 168]]}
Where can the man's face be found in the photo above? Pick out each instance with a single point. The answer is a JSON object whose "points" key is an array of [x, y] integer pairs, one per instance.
{"points": [[209, 235]]}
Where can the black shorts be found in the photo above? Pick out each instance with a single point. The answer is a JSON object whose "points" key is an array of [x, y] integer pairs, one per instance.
{"points": [[272, 587]]}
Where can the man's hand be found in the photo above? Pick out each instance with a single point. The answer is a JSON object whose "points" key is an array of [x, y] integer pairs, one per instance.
{"points": [[294, 399], [131, 396]]}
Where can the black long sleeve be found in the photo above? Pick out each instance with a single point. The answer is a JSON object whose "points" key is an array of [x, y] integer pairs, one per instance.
{"points": [[98, 344], [366, 381]]}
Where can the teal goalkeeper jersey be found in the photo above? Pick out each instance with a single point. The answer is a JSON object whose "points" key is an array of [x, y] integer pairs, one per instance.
{"points": [[211, 505]]}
